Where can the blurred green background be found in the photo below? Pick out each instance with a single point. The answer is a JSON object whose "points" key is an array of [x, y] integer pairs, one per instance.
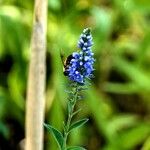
{"points": [[117, 102]]}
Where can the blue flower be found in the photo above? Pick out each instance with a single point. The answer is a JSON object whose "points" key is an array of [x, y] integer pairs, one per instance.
{"points": [[81, 65]]}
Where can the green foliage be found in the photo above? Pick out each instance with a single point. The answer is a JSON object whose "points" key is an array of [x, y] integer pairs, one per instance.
{"points": [[57, 135], [78, 124], [75, 148], [118, 102]]}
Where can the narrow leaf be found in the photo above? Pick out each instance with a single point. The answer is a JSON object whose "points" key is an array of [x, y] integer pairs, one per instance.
{"points": [[76, 148], [78, 124], [83, 89], [57, 134], [76, 112]]}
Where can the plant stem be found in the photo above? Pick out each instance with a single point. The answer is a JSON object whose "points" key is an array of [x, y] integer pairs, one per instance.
{"points": [[70, 115]]}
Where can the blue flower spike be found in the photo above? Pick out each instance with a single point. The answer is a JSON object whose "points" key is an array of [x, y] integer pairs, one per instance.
{"points": [[81, 65], [78, 67]]}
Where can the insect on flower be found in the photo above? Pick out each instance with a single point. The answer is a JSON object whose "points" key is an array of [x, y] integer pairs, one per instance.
{"points": [[79, 65], [66, 63]]}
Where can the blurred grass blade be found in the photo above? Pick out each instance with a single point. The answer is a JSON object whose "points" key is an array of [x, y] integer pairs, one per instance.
{"points": [[134, 73], [147, 144], [75, 148], [133, 137]]}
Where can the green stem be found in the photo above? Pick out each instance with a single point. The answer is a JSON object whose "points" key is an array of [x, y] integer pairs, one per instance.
{"points": [[70, 115]]}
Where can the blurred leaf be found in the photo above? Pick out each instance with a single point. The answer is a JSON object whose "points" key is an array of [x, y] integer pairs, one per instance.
{"points": [[16, 86], [133, 73], [16, 33], [75, 148], [11, 11], [133, 137], [2, 103], [146, 144], [121, 88], [103, 23], [120, 122], [76, 137], [4, 130], [54, 4], [129, 139], [100, 108], [142, 4]]}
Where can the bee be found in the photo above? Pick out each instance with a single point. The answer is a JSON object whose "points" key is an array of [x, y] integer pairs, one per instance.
{"points": [[66, 63]]}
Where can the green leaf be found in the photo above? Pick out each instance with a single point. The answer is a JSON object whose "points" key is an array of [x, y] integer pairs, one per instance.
{"points": [[76, 148], [57, 134], [78, 124], [76, 112]]}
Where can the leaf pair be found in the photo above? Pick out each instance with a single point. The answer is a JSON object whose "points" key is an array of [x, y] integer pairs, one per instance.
{"points": [[59, 136]]}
